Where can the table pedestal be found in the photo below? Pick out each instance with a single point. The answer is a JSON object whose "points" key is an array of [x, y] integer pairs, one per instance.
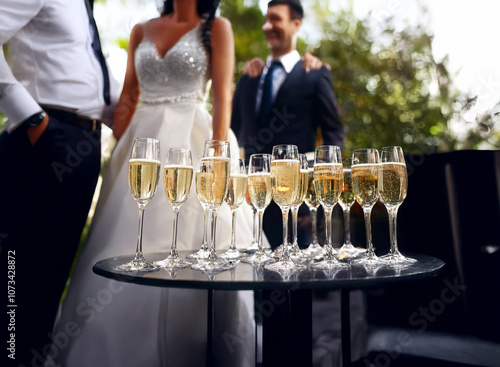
{"points": [[287, 327]]}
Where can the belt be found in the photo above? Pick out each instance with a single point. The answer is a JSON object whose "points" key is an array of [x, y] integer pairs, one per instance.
{"points": [[72, 118]]}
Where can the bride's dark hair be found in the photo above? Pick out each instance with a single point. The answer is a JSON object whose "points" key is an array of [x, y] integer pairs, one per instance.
{"points": [[206, 10]]}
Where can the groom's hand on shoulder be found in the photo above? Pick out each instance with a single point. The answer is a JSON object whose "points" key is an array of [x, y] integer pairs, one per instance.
{"points": [[311, 62], [253, 67]]}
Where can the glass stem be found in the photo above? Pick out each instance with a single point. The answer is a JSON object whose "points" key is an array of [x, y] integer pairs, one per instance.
{"points": [[233, 230], [369, 245], [259, 233], [314, 216], [393, 212], [347, 226], [328, 234], [295, 212], [285, 257], [213, 254], [173, 249], [204, 245], [255, 233], [138, 251]]}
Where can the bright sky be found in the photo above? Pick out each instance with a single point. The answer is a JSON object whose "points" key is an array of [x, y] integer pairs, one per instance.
{"points": [[465, 31]]}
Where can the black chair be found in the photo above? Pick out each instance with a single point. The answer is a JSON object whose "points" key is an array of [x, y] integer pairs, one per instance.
{"points": [[452, 212]]}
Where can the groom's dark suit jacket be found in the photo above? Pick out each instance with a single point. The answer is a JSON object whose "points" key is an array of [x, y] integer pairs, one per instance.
{"points": [[304, 102]]}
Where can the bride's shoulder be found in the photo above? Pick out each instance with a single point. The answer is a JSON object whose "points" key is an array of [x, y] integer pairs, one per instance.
{"points": [[136, 35], [221, 28], [144, 30], [221, 22]]}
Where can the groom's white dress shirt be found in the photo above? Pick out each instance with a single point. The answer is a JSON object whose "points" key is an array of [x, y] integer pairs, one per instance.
{"points": [[51, 59]]}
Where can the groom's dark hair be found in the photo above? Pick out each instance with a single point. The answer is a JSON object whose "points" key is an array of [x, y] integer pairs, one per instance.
{"points": [[206, 10]]}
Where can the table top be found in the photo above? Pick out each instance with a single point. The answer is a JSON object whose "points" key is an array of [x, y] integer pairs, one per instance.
{"points": [[247, 277]]}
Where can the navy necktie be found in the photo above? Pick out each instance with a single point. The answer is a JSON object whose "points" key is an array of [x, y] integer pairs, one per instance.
{"points": [[96, 46], [267, 92]]}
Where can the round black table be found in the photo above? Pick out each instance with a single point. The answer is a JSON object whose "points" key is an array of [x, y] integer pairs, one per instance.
{"points": [[286, 330]]}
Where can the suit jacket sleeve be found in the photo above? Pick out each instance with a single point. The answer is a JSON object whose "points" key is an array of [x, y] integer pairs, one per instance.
{"points": [[236, 111], [325, 113]]}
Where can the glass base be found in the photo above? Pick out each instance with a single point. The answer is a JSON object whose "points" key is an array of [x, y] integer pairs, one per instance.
{"points": [[231, 254], [370, 260], [283, 266], [258, 258], [329, 264], [348, 253], [314, 249], [200, 254], [138, 266], [214, 265], [172, 262], [398, 258], [251, 249]]}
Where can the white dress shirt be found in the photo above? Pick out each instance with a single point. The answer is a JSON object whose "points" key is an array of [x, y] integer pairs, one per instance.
{"points": [[288, 61], [51, 59]]}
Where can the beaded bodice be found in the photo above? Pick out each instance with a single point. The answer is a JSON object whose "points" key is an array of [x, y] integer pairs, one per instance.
{"points": [[180, 75]]}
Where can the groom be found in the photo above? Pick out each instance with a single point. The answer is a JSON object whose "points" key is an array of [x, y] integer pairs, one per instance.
{"points": [[53, 93], [285, 104]]}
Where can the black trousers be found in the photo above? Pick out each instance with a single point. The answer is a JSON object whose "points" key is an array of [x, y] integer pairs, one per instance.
{"points": [[46, 192]]}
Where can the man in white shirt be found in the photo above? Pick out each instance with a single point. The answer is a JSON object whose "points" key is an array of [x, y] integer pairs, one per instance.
{"points": [[53, 92]]}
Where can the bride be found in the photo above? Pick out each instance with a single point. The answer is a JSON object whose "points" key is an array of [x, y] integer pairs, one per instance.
{"points": [[108, 323]]}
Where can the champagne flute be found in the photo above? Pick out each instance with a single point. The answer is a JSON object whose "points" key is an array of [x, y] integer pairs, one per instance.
{"points": [[234, 198], [285, 174], [177, 178], [328, 185], [259, 188], [202, 253], [364, 170], [254, 245], [347, 251], [143, 175], [215, 170], [392, 188], [312, 203], [303, 185]]}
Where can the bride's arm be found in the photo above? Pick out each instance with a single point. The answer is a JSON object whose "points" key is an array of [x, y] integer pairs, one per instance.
{"points": [[127, 103], [222, 76]]}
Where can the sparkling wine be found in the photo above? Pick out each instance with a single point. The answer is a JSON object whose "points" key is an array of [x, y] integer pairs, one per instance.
{"points": [[143, 176], [347, 195], [259, 188], [393, 183], [328, 182], [198, 181], [364, 183], [311, 199], [303, 186], [214, 180], [177, 182], [285, 177], [236, 191]]}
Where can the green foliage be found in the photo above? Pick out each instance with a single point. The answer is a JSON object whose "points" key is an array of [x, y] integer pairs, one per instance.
{"points": [[122, 42], [3, 121], [246, 22], [384, 90]]}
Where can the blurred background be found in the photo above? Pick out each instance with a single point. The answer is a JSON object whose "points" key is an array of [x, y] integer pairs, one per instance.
{"points": [[420, 74]]}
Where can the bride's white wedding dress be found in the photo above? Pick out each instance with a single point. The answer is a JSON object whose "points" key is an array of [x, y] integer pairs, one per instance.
{"points": [[107, 323]]}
